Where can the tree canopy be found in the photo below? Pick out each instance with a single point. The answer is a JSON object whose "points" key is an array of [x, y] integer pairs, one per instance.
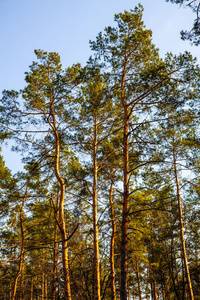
{"points": [[107, 206]]}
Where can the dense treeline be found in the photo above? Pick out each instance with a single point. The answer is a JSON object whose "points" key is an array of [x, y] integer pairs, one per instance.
{"points": [[108, 204]]}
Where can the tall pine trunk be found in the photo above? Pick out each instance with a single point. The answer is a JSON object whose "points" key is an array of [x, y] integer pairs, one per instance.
{"points": [[62, 225], [21, 289], [180, 215], [95, 219]]}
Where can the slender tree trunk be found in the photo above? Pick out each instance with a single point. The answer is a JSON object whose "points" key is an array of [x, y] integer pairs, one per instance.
{"points": [[153, 290], [181, 229], [20, 267], [21, 290], [95, 220], [125, 213], [62, 225], [65, 263], [112, 243]]}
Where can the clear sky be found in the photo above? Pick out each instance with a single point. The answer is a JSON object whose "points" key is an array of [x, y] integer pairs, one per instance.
{"points": [[66, 26]]}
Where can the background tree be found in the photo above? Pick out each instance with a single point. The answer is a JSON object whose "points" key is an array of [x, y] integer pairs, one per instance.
{"points": [[192, 35]]}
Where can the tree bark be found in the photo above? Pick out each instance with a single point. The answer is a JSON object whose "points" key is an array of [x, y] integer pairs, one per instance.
{"points": [[62, 225], [180, 215], [95, 220], [21, 290]]}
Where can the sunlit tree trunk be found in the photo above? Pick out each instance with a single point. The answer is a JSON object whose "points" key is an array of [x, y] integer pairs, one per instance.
{"points": [[180, 214], [95, 219], [62, 225], [21, 289]]}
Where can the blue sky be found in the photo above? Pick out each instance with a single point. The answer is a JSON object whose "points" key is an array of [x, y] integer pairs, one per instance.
{"points": [[66, 26]]}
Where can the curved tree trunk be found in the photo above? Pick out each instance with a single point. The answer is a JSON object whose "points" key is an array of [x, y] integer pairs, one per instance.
{"points": [[62, 225], [180, 215]]}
